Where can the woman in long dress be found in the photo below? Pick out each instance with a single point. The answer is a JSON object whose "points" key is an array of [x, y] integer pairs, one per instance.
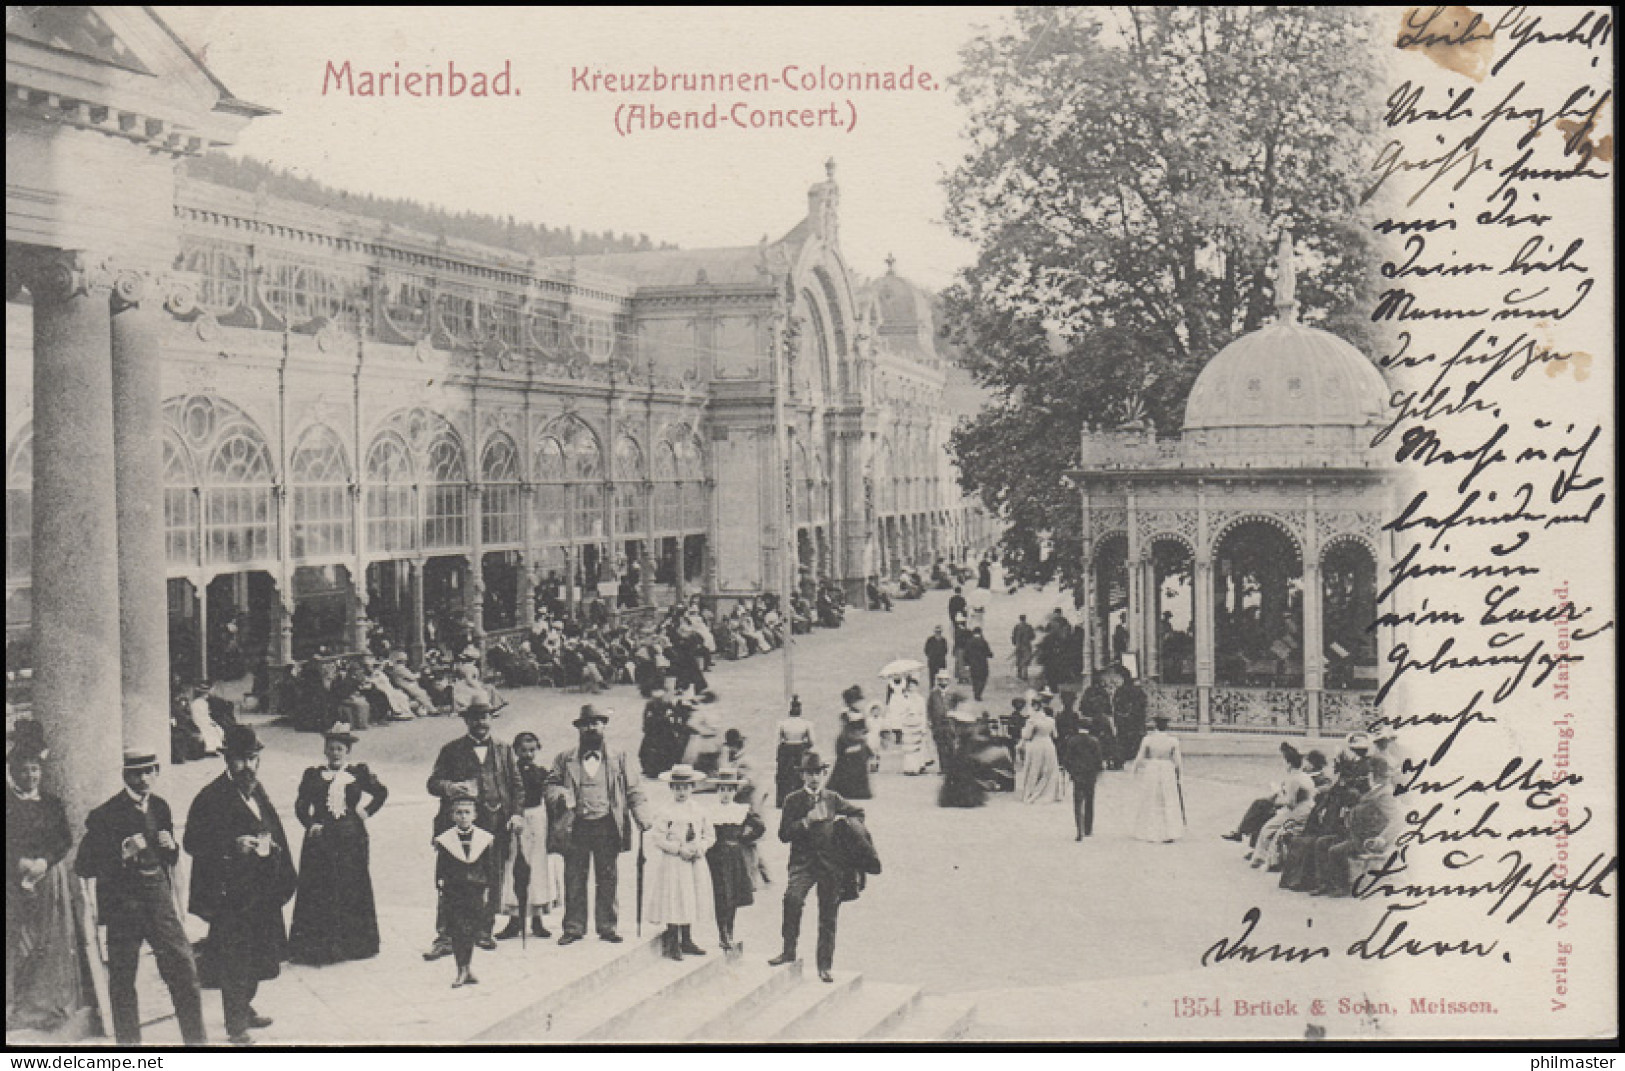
{"points": [[795, 740], [1159, 816], [912, 727], [678, 893], [850, 777], [42, 948], [530, 869], [1040, 767], [334, 917], [732, 858]]}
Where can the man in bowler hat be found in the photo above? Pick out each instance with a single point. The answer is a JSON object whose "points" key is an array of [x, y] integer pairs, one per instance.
{"points": [[479, 766], [130, 849], [597, 802], [807, 824], [242, 875]]}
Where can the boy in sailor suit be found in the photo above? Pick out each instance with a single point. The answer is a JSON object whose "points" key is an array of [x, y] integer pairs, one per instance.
{"points": [[465, 871]]}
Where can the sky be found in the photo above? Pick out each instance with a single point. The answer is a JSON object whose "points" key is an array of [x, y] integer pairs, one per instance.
{"points": [[552, 155]]}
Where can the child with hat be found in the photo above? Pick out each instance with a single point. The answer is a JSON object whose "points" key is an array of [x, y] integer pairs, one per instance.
{"points": [[464, 870], [679, 881]]}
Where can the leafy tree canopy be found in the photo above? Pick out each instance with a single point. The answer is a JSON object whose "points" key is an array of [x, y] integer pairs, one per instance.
{"points": [[1129, 174]]}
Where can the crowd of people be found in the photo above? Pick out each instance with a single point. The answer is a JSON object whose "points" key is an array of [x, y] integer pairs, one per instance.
{"points": [[1324, 819]]}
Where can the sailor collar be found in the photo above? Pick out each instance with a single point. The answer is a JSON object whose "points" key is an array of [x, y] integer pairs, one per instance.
{"points": [[453, 844]]}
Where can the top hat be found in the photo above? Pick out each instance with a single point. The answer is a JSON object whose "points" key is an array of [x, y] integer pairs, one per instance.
{"points": [[28, 740], [733, 738], [340, 730], [813, 762], [852, 696], [139, 759], [589, 716], [241, 740], [682, 774]]}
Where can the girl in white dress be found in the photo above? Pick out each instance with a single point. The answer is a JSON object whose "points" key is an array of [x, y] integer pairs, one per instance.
{"points": [[1160, 814], [678, 890]]}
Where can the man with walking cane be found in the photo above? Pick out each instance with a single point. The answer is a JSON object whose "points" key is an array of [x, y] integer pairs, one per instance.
{"points": [[599, 803]]}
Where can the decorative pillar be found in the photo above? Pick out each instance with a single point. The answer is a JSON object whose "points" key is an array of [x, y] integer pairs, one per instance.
{"points": [[414, 620], [1314, 643], [1202, 594], [474, 591], [77, 658], [525, 597], [138, 398], [646, 574]]}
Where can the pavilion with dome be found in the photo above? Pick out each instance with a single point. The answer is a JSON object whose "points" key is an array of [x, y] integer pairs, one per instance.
{"points": [[1233, 568]]}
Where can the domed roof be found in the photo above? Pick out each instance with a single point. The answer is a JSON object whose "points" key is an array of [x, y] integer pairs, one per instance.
{"points": [[903, 306], [1286, 375]]}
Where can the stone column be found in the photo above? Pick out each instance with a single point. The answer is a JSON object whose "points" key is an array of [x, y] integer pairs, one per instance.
{"points": [[138, 399], [1202, 593], [414, 621], [77, 661], [525, 604]]}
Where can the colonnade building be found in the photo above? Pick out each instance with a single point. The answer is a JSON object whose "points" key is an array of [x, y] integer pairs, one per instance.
{"points": [[257, 428]]}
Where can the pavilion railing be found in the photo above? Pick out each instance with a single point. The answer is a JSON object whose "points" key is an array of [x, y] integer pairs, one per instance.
{"points": [[1346, 711], [1259, 710]]}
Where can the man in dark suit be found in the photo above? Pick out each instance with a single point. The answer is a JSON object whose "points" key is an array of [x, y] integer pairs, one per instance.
{"points": [[807, 824], [242, 874], [477, 765], [956, 606], [936, 653], [130, 850], [1082, 760], [978, 661], [597, 802]]}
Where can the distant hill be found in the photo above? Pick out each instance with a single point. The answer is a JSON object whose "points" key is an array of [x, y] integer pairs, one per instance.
{"points": [[503, 232]]}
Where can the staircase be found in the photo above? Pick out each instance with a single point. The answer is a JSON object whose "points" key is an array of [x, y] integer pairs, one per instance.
{"points": [[642, 996]]}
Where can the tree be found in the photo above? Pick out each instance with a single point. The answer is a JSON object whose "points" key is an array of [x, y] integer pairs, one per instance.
{"points": [[1130, 170]]}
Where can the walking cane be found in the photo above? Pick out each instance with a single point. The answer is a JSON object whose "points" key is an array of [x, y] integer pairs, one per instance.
{"points": [[1179, 783], [524, 901], [640, 884]]}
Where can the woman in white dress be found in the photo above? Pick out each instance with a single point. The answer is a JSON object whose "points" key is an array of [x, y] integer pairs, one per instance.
{"points": [[678, 893], [540, 875], [913, 728], [1160, 815], [1040, 768]]}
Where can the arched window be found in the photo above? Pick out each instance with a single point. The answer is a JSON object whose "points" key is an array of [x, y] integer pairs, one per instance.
{"points": [[445, 494], [691, 472], [239, 514], [20, 509], [392, 511], [1348, 575], [1173, 608], [552, 520], [501, 519], [585, 461], [180, 505], [1258, 607], [629, 517], [319, 478], [668, 508], [801, 485]]}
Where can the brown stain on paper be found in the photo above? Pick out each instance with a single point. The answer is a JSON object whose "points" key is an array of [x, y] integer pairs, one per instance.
{"points": [[1580, 131], [1456, 38], [1578, 362]]}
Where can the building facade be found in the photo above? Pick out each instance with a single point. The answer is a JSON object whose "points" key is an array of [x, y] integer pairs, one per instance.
{"points": [[268, 427], [1234, 568]]}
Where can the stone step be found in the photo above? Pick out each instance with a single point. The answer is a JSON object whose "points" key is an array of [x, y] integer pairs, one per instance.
{"points": [[779, 1018], [534, 1017], [939, 1018], [571, 1016], [713, 1013], [873, 1008], [621, 1010]]}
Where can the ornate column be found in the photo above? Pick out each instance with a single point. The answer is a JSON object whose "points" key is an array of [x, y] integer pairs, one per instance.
{"points": [[474, 589], [1314, 643], [138, 308], [414, 621], [358, 604], [1202, 593], [525, 597], [1134, 574], [646, 569], [77, 659]]}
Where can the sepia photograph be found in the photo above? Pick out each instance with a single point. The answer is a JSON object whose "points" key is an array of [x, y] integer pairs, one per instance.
{"points": [[778, 527]]}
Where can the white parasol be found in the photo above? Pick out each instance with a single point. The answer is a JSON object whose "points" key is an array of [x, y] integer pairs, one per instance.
{"points": [[901, 667]]}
